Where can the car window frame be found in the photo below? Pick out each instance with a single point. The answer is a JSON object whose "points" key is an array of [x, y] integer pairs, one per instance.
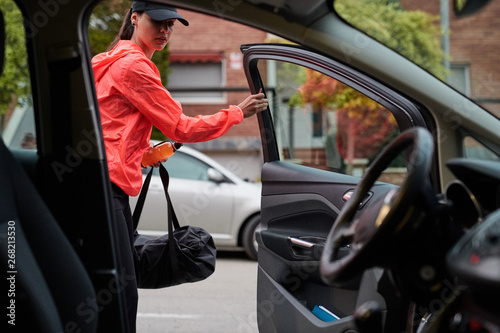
{"points": [[407, 113]]}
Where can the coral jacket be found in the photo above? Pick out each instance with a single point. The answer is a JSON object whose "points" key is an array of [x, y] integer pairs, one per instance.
{"points": [[131, 99]]}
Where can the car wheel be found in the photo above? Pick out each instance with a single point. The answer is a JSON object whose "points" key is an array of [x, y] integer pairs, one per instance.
{"points": [[249, 240]]}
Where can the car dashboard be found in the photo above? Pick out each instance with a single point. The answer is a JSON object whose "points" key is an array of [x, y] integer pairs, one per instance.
{"points": [[481, 179], [474, 261]]}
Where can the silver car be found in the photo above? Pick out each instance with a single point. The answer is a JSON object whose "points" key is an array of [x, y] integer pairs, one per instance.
{"points": [[207, 195]]}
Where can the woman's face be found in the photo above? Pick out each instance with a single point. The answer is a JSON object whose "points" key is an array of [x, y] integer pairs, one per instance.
{"points": [[149, 34]]}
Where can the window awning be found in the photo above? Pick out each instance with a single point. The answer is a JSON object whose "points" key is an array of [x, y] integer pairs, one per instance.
{"points": [[195, 57]]}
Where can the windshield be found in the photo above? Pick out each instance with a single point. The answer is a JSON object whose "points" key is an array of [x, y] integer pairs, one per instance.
{"points": [[461, 51]]}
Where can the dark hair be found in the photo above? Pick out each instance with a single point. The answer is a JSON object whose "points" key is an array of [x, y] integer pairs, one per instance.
{"points": [[126, 30]]}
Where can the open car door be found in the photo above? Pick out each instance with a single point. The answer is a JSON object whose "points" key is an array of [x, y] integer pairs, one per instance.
{"points": [[316, 145]]}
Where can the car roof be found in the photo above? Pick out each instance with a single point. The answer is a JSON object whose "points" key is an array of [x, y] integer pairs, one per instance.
{"points": [[297, 10]]}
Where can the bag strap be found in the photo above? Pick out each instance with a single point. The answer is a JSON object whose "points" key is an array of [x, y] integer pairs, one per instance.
{"points": [[172, 218], [140, 200], [165, 179], [172, 222]]}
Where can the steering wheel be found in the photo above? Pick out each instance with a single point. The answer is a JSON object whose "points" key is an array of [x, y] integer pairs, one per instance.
{"points": [[368, 233]]}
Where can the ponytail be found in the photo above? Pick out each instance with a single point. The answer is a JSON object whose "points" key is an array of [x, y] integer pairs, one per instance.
{"points": [[126, 30]]}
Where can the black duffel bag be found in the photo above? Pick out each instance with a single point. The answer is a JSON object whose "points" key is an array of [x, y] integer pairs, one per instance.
{"points": [[161, 262]]}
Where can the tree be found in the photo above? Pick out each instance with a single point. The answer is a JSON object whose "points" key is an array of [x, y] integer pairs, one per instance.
{"points": [[413, 34], [365, 126], [14, 82], [105, 22]]}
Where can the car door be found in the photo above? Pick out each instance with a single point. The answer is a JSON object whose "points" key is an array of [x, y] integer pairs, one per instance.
{"points": [[68, 271], [324, 125]]}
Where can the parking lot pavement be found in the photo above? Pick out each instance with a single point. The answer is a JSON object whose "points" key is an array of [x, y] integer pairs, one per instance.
{"points": [[223, 303]]}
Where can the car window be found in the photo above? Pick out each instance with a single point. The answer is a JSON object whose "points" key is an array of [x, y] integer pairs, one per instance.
{"points": [[448, 45], [460, 51], [184, 166], [17, 125], [475, 150], [323, 123]]}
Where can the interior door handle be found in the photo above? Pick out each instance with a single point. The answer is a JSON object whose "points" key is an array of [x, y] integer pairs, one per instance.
{"points": [[309, 247], [301, 243]]}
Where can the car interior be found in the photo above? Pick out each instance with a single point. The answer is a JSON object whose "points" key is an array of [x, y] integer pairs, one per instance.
{"points": [[298, 207], [50, 287], [46, 274], [337, 252], [382, 265], [48, 277]]}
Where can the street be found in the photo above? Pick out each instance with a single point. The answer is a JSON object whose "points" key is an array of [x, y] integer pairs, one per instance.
{"points": [[223, 303]]}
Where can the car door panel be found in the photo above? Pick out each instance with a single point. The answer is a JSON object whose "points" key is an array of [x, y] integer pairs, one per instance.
{"points": [[300, 204], [276, 301], [304, 208], [297, 216]]}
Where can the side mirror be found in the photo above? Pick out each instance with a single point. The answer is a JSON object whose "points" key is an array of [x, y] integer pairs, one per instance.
{"points": [[215, 176], [468, 7]]}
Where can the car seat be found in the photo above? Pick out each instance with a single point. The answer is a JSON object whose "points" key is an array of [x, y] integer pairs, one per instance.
{"points": [[47, 286]]}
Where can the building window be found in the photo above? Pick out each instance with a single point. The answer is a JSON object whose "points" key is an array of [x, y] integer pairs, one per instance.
{"points": [[197, 78], [460, 78]]}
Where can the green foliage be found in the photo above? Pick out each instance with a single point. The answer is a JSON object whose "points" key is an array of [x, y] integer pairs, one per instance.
{"points": [[413, 34], [14, 81], [161, 61], [293, 75], [156, 134], [105, 22]]}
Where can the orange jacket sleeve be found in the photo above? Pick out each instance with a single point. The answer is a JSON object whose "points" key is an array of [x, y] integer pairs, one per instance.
{"points": [[143, 88]]}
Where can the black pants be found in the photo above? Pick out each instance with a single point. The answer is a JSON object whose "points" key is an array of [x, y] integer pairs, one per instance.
{"points": [[125, 243]]}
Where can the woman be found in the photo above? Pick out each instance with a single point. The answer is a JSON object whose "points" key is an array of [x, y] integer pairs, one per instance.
{"points": [[131, 99]]}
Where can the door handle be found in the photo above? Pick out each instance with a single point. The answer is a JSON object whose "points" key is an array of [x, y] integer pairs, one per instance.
{"points": [[301, 243], [308, 247]]}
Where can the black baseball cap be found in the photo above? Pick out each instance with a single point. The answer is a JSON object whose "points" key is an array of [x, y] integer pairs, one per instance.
{"points": [[158, 11]]}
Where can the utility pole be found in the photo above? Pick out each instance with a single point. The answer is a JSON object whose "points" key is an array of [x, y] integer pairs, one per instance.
{"points": [[445, 38]]}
